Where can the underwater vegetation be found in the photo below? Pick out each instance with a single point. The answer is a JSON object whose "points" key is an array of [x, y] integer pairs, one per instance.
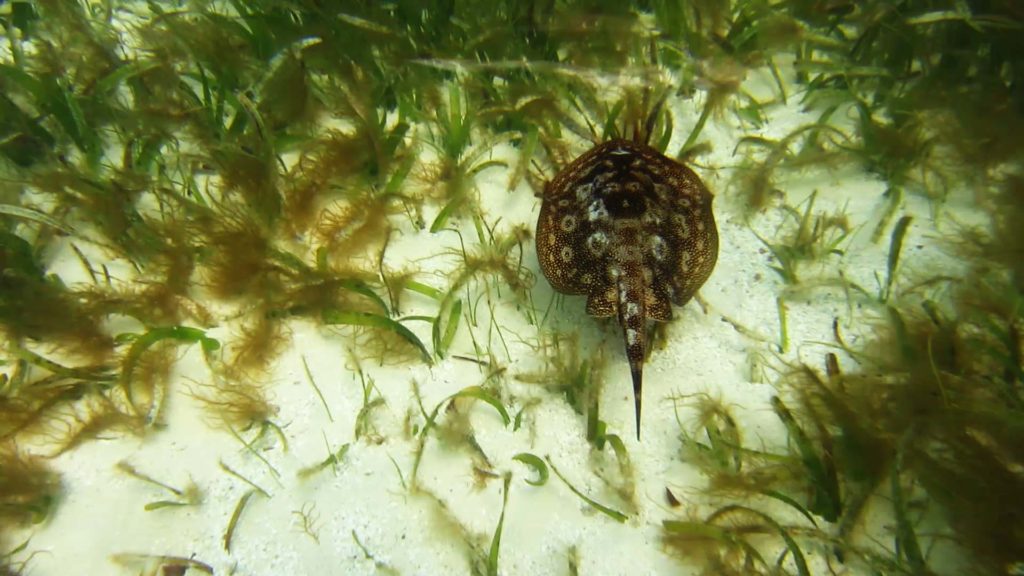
{"points": [[930, 428], [205, 178]]}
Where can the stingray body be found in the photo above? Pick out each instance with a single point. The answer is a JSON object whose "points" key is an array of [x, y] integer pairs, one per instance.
{"points": [[633, 231]]}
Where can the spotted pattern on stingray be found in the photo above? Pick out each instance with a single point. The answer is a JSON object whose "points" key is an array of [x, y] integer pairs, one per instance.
{"points": [[633, 231]]}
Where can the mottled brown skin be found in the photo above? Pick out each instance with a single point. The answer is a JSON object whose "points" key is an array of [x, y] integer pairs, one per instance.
{"points": [[633, 231]]}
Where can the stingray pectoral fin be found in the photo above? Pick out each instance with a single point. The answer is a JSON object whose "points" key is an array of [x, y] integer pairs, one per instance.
{"points": [[601, 304], [658, 307]]}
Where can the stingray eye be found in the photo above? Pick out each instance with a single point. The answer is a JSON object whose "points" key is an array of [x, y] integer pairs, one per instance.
{"points": [[624, 205]]}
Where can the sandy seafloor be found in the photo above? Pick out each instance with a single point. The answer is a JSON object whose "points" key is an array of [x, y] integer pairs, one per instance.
{"points": [[364, 496]]}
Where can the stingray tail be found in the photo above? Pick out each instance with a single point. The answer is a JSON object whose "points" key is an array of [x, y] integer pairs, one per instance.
{"points": [[633, 319], [637, 371]]}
